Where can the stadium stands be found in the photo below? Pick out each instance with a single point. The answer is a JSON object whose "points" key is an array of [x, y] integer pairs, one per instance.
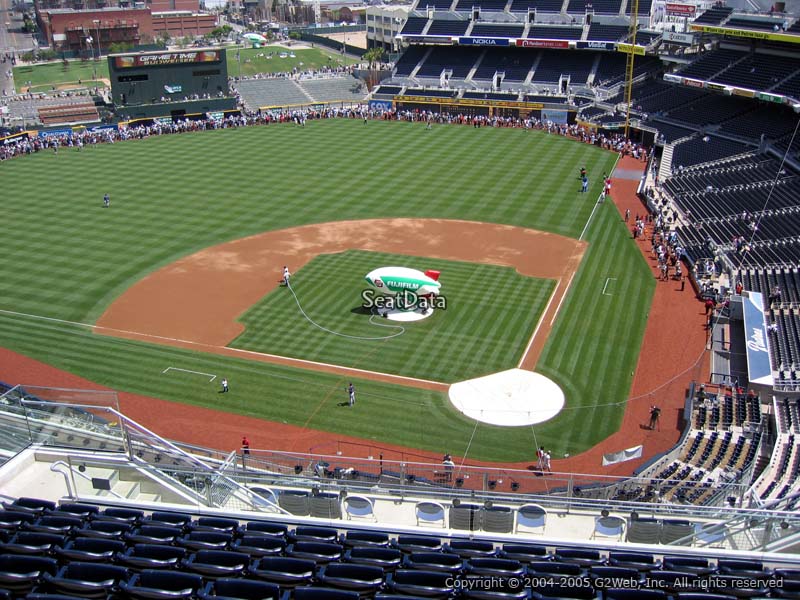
{"points": [[607, 33], [711, 63], [280, 92], [516, 65], [487, 30], [445, 58], [714, 16], [487, 5], [554, 32], [701, 150], [759, 71], [600, 7], [414, 25], [409, 59], [554, 64], [447, 27], [545, 6]]}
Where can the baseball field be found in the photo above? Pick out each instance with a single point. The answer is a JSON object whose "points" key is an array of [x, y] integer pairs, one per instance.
{"points": [[235, 203]]}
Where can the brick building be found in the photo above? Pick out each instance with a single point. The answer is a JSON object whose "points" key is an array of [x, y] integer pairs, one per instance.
{"points": [[70, 29]]}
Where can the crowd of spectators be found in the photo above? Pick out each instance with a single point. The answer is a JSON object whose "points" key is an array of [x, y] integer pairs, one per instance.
{"points": [[16, 146]]}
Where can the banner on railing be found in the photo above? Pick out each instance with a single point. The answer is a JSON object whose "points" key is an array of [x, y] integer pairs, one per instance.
{"points": [[613, 458], [759, 368]]}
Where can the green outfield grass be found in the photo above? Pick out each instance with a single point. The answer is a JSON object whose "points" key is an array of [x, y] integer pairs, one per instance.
{"points": [[490, 315], [269, 60], [43, 77], [66, 258]]}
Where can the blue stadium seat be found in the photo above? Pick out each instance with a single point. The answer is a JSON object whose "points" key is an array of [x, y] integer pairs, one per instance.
{"points": [[216, 563], [433, 561], [318, 593], [168, 519], [87, 580], [386, 558], [295, 502], [285, 571], [12, 520], [55, 523], [414, 543], [579, 556], [501, 589], [541, 567], [470, 548], [151, 556], [218, 524], [105, 529], [113, 513], [689, 564], [628, 594], [314, 534], [637, 560], [563, 590], [495, 567], [264, 528], [152, 534], [422, 583], [32, 542], [606, 573], [205, 540], [162, 585], [19, 573], [350, 539], [319, 552], [359, 578], [524, 552], [259, 545], [243, 589], [32, 505], [728, 566], [78, 509], [90, 549]]}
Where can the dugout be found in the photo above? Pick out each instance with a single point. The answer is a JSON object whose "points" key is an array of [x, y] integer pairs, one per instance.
{"points": [[472, 107], [146, 84]]}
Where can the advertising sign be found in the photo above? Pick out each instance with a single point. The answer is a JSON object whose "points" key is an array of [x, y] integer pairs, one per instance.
{"points": [[542, 43], [166, 58], [481, 41]]}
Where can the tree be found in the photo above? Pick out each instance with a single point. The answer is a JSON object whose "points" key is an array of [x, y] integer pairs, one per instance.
{"points": [[373, 56], [220, 33], [294, 35]]}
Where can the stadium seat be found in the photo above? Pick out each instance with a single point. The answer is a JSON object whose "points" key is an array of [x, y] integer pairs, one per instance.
{"points": [[12, 520], [55, 523], [314, 534], [531, 518], [386, 558], [468, 517], [152, 534], [162, 585], [168, 519], [350, 539], [244, 589], [90, 550], [285, 571], [636, 560], [498, 519], [524, 553], [258, 545], [78, 509], [495, 567], [295, 502], [471, 548], [433, 561], [264, 528], [579, 556], [205, 540], [430, 513], [644, 531], [128, 515], [609, 527], [319, 593], [19, 573], [359, 578], [675, 531], [31, 505], [86, 580], [640, 594], [32, 542], [151, 556], [688, 564], [222, 525], [359, 507], [422, 583], [546, 568], [105, 529], [212, 564], [414, 543], [325, 506], [319, 552]]}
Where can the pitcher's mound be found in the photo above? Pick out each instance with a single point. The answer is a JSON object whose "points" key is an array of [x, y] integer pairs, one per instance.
{"points": [[508, 398]]}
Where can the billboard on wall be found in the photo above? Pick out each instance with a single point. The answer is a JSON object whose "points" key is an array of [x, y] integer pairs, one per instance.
{"points": [[542, 43], [595, 45], [481, 41], [685, 39], [749, 33], [680, 10], [759, 367], [166, 58]]}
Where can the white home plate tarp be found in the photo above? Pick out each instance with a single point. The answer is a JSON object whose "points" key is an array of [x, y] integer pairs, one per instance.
{"points": [[613, 458], [508, 398]]}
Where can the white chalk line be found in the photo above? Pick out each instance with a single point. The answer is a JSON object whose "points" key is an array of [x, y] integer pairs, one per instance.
{"points": [[606, 285], [210, 375], [539, 324], [563, 297], [226, 349]]}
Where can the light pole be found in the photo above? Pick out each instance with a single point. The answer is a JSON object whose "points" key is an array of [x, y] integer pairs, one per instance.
{"points": [[97, 28]]}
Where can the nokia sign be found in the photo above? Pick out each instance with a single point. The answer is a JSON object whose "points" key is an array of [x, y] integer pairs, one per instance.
{"points": [[479, 41]]}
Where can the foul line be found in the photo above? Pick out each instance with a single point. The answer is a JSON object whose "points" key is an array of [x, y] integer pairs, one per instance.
{"points": [[597, 202], [539, 324], [606, 285], [563, 296], [226, 350], [211, 375]]}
